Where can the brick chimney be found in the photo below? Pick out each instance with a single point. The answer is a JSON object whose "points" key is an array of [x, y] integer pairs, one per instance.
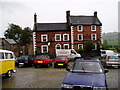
{"points": [[95, 13], [35, 21], [68, 17], [35, 18]]}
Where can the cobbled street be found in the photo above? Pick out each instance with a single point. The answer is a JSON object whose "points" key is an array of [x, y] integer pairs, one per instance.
{"points": [[31, 77]]}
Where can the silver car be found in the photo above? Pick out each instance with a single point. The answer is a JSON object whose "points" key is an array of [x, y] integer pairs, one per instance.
{"points": [[112, 60]]}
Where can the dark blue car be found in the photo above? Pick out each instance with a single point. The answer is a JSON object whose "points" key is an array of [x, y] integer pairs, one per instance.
{"points": [[86, 74]]}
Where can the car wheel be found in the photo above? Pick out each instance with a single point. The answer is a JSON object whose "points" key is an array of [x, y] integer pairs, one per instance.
{"points": [[36, 66], [48, 65], [55, 66], [9, 74], [105, 65]]}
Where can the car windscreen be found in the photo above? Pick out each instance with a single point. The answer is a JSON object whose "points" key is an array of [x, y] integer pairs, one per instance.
{"points": [[22, 58], [87, 67], [103, 52], [42, 58], [61, 58]]}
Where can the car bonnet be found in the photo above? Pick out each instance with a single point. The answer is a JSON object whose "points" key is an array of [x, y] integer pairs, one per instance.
{"points": [[88, 79]]}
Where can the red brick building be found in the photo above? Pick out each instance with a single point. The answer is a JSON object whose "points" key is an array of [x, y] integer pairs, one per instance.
{"points": [[70, 35]]}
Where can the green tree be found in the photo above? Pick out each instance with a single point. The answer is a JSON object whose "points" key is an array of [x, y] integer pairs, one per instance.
{"points": [[89, 46], [26, 36], [13, 32], [22, 36], [105, 44]]}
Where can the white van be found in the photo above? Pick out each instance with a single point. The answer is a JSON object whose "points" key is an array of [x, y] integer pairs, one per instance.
{"points": [[7, 63], [106, 53], [70, 53]]}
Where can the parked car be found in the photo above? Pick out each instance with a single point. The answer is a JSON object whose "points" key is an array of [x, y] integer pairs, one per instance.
{"points": [[61, 61], [24, 61], [112, 60], [86, 74], [42, 60], [70, 53]]}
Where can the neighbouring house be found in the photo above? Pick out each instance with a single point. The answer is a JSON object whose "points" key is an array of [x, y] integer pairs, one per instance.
{"points": [[10, 44], [73, 34]]}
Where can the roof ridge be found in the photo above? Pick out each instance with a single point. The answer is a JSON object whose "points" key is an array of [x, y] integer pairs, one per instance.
{"points": [[52, 23], [80, 16]]}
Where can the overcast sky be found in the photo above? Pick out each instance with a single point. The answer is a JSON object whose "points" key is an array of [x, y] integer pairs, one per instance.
{"points": [[21, 12]]}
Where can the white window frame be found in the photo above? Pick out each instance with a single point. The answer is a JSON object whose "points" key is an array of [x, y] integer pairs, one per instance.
{"points": [[79, 46], [81, 37], [56, 35], [65, 45], [80, 30], [64, 37], [57, 45], [95, 48], [42, 48], [92, 37], [92, 28], [42, 37]]}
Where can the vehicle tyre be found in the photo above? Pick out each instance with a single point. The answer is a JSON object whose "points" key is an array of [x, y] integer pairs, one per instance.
{"points": [[51, 64], [48, 65], [9, 74], [36, 66], [55, 66], [18, 66], [105, 65]]}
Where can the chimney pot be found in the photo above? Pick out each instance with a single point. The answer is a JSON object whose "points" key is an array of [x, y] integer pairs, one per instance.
{"points": [[35, 18], [95, 13]]}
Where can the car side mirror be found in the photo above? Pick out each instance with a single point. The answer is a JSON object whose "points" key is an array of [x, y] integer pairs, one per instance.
{"points": [[106, 71]]}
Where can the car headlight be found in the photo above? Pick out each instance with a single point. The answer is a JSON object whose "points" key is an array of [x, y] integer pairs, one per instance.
{"points": [[66, 86], [99, 88]]}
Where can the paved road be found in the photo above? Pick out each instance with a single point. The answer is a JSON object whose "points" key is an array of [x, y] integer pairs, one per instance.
{"points": [[48, 78]]}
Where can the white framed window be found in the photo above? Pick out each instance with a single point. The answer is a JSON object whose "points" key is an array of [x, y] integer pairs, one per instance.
{"points": [[58, 46], [80, 37], [80, 28], [95, 48], [65, 37], [44, 38], [44, 48], [57, 37], [66, 46], [80, 46], [93, 28], [93, 37]]}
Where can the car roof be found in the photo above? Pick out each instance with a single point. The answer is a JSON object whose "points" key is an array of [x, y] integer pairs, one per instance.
{"points": [[88, 59]]}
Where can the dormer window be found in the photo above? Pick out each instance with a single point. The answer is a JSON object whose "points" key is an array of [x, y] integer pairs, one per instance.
{"points": [[93, 28], [80, 28]]}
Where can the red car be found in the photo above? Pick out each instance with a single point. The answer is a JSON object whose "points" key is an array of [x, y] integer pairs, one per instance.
{"points": [[61, 61], [42, 60]]}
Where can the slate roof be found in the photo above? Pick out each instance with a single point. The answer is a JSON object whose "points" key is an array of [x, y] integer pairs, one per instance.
{"points": [[51, 26], [85, 20], [10, 41]]}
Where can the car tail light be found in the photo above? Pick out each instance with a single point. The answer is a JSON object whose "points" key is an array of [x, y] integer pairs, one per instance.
{"points": [[46, 61], [54, 61], [66, 61], [16, 61], [35, 61], [26, 61], [108, 58]]}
